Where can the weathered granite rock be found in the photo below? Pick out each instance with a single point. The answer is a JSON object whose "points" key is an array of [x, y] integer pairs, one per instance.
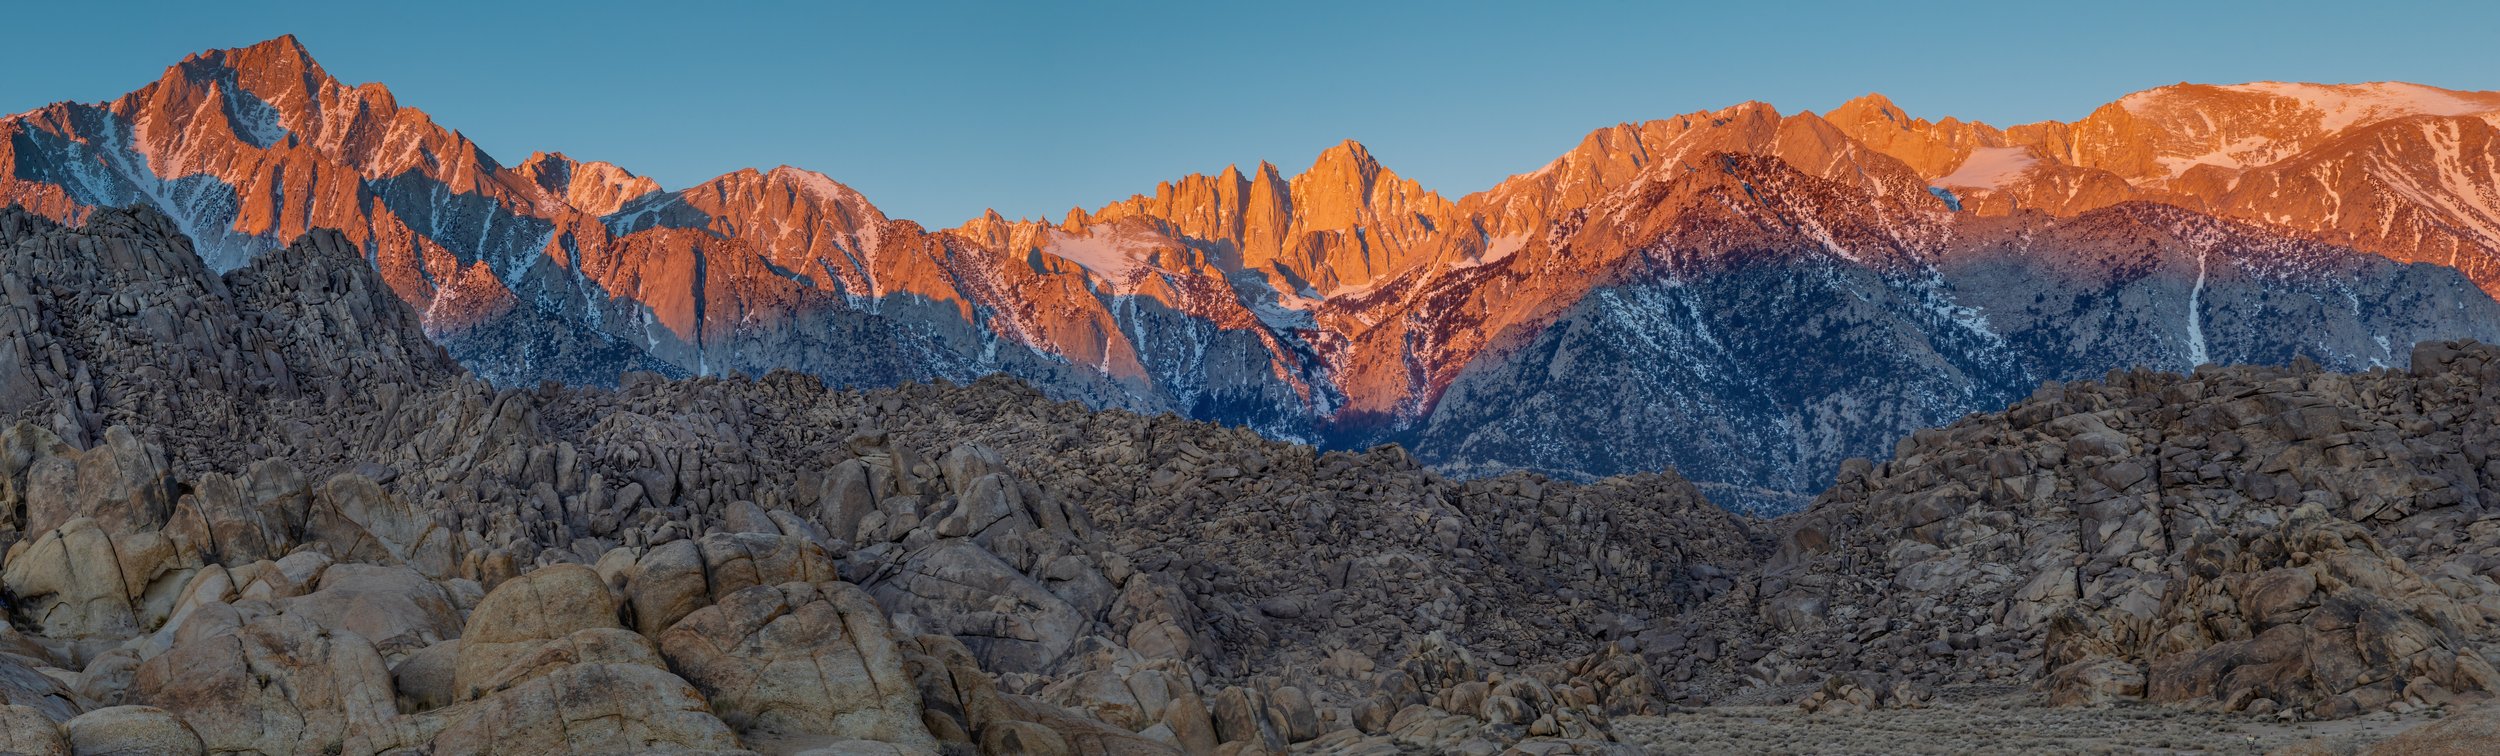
{"points": [[130, 730], [281, 684], [800, 662]]}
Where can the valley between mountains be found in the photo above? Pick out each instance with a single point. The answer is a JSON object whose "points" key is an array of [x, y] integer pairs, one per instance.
{"points": [[2171, 429]]}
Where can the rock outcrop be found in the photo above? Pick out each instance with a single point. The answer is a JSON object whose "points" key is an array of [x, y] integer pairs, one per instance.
{"points": [[2243, 538]]}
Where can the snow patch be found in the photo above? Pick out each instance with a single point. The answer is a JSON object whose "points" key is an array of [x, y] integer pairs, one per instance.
{"points": [[639, 214], [1989, 168], [1936, 297], [1496, 250], [2196, 317], [1108, 252], [2458, 191], [1278, 309], [824, 187], [2242, 152], [255, 121], [1353, 291]]}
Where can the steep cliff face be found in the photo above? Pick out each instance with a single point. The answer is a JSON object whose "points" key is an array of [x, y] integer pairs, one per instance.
{"points": [[119, 321], [1747, 294], [1342, 224]]}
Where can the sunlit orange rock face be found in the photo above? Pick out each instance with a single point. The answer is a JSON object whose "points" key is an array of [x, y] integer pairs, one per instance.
{"points": [[1341, 299], [2402, 170], [1342, 224], [592, 187]]}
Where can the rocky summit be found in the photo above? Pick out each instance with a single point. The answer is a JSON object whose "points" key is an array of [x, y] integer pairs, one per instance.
{"points": [[260, 511], [1748, 296]]}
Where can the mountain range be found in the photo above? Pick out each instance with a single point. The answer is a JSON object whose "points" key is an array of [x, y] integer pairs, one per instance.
{"points": [[1746, 296]]}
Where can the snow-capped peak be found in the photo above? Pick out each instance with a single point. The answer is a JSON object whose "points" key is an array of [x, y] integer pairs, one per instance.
{"points": [[2344, 105]]}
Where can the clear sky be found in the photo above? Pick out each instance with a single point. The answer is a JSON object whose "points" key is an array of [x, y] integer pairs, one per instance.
{"points": [[937, 110]]}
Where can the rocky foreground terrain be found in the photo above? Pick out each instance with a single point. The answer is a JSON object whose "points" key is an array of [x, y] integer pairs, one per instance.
{"points": [[259, 512]]}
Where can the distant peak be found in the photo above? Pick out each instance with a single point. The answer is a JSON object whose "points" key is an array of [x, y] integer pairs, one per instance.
{"points": [[593, 186], [284, 53], [1347, 158], [547, 160], [1751, 107], [555, 161], [282, 45], [1868, 106], [1347, 150], [821, 185], [795, 174], [286, 42]]}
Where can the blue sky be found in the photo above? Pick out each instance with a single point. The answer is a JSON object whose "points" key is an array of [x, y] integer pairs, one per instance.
{"points": [[937, 110]]}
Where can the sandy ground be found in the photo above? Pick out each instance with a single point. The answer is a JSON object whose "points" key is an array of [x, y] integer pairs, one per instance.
{"points": [[1999, 723]]}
